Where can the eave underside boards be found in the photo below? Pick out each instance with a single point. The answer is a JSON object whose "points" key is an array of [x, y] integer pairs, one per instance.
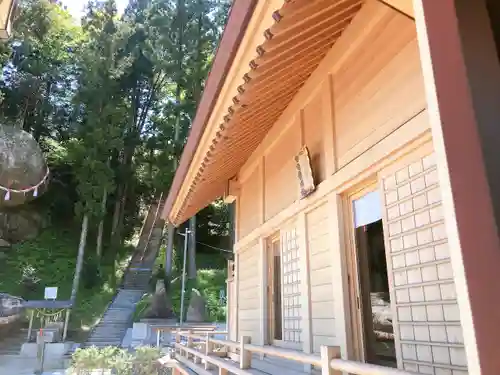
{"points": [[303, 32]]}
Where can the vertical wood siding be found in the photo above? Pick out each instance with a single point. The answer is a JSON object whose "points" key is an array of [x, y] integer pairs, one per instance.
{"points": [[248, 293], [322, 303]]}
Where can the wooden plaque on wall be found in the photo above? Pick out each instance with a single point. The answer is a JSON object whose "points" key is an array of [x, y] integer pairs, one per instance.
{"points": [[304, 173]]}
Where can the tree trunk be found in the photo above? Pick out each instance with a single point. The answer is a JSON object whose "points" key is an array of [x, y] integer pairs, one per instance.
{"points": [[81, 252], [169, 251], [196, 95], [116, 214], [121, 218], [42, 115], [191, 272], [170, 227], [100, 230]]}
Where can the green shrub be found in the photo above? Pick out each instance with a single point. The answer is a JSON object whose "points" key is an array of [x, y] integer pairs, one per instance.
{"points": [[144, 361], [30, 282]]}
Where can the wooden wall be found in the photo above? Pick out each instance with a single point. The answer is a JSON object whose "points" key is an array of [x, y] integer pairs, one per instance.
{"points": [[248, 293], [248, 204], [280, 171], [320, 268], [428, 331], [376, 90], [363, 104]]}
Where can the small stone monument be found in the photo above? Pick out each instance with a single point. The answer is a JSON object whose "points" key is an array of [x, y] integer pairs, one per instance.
{"points": [[160, 308], [196, 312]]}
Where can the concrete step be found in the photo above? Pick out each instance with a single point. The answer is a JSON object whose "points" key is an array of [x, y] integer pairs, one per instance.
{"points": [[116, 339], [118, 310], [11, 341], [115, 321], [99, 340], [108, 330]]}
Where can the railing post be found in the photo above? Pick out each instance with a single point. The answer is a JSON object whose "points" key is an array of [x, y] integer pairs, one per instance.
{"points": [[245, 355], [327, 354], [178, 341], [30, 327], [189, 342], [197, 359], [208, 350], [157, 337], [66, 324]]}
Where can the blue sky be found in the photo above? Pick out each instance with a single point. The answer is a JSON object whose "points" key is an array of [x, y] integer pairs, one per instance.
{"points": [[75, 7]]}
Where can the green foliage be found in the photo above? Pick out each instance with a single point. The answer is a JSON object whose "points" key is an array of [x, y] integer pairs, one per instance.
{"points": [[142, 362], [91, 273], [210, 283], [111, 101], [50, 260]]}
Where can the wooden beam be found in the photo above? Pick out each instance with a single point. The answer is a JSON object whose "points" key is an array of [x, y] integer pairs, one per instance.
{"points": [[462, 77], [402, 6]]}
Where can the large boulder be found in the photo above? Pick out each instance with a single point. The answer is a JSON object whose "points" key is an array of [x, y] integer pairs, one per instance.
{"points": [[161, 307], [197, 310], [17, 225], [23, 171], [10, 309]]}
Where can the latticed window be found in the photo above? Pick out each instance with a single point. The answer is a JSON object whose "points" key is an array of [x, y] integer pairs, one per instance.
{"points": [[291, 286]]}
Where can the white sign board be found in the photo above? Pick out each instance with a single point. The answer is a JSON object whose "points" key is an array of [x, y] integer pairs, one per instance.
{"points": [[51, 293]]}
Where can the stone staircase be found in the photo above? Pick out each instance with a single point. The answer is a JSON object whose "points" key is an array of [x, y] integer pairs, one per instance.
{"points": [[113, 326], [115, 321], [11, 342]]}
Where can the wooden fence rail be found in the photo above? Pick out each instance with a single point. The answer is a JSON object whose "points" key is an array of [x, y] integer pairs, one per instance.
{"points": [[211, 352]]}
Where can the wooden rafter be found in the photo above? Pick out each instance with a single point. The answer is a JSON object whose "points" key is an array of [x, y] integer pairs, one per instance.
{"points": [[302, 34], [403, 6]]}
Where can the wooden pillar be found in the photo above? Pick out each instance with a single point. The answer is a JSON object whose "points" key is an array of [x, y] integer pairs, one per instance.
{"points": [[340, 285], [236, 329], [262, 188], [263, 291], [329, 126], [462, 80]]}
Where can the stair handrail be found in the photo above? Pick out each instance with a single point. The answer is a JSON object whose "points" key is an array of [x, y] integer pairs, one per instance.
{"points": [[153, 226]]}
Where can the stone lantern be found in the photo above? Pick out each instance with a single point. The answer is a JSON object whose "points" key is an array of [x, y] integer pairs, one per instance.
{"points": [[7, 11]]}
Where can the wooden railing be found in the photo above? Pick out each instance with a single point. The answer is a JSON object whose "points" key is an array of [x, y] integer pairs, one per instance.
{"points": [[173, 328], [208, 354]]}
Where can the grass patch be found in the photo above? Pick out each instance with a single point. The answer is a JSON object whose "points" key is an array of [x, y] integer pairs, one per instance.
{"points": [[50, 260]]}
